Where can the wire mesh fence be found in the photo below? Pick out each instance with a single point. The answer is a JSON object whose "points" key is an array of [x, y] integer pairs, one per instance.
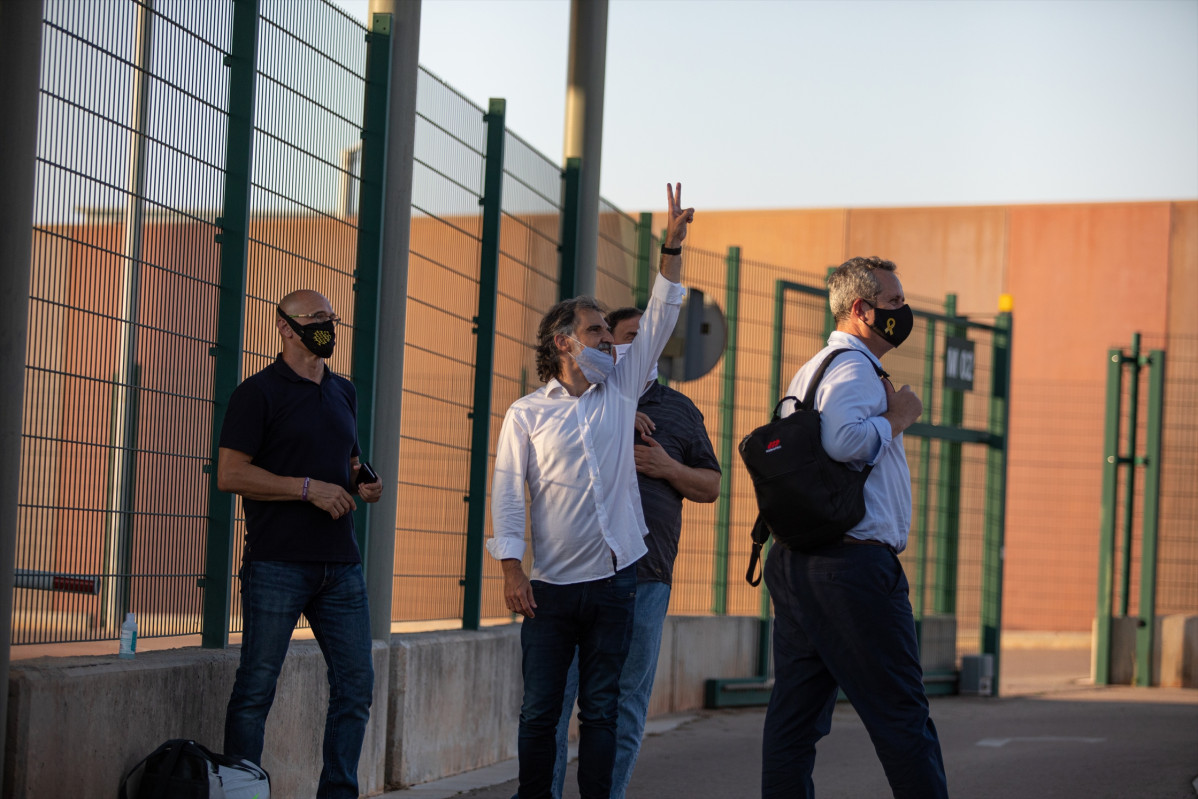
{"points": [[447, 188], [114, 503]]}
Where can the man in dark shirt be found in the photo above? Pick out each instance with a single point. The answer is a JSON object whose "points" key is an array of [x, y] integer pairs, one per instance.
{"points": [[674, 461], [289, 447]]}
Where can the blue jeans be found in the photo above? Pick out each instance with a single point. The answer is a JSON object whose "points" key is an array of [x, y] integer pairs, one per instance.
{"points": [[595, 617], [636, 685], [333, 598], [842, 618]]}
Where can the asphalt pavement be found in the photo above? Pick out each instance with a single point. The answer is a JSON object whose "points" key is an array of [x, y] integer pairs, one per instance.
{"points": [[1050, 735]]}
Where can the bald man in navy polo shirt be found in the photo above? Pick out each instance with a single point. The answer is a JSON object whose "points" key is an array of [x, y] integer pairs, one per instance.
{"points": [[289, 447]]}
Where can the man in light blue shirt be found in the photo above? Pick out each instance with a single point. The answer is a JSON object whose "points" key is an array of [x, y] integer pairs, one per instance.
{"points": [[842, 614]]}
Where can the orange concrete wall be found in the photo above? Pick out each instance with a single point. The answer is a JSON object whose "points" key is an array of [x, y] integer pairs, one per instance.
{"points": [[1084, 277]]}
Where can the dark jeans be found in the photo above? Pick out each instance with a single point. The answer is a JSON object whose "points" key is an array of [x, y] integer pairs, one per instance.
{"points": [[842, 618], [595, 617], [333, 598]]}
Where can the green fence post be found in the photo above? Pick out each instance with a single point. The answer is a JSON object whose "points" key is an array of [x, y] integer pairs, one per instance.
{"points": [[948, 517], [567, 283], [234, 224], [644, 259], [1146, 630], [996, 489], [1106, 529], [1132, 363], [763, 640], [484, 329], [829, 319], [925, 475], [363, 363], [727, 441]]}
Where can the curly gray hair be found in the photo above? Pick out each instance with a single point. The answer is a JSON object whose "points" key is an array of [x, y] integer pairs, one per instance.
{"points": [[559, 319]]}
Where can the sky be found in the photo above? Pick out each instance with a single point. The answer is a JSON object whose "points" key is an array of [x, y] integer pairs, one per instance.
{"points": [[807, 103]]}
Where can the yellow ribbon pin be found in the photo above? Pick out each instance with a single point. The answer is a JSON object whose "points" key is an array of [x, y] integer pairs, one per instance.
{"points": [[890, 327]]}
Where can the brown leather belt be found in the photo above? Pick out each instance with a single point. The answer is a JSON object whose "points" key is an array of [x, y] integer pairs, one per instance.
{"points": [[848, 539]]}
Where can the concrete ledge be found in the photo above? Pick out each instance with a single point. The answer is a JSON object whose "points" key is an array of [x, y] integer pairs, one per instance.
{"points": [[77, 725], [444, 703], [1174, 651], [455, 702]]}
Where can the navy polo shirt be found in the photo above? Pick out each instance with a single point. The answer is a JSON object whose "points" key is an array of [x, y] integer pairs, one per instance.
{"points": [[680, 431], [293, 427]]}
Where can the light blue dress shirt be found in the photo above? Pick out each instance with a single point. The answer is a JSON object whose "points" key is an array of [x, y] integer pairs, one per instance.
{"points": [[851, 400]]}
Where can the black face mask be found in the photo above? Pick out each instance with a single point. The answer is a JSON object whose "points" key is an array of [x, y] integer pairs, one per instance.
{"points": [[893, 326], [318, 337]]}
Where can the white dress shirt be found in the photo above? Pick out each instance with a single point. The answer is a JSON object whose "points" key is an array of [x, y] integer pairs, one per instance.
{"points": [[851, 400], [575, 454]]}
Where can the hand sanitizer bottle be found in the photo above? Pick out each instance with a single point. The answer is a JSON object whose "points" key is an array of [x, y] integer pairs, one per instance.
{"points": [[128, 637]]}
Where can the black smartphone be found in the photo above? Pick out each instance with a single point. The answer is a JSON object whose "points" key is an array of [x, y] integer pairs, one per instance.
{"points": [[365, 474]]}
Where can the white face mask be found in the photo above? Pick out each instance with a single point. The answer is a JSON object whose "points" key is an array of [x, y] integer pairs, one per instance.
{"points": [[595, 364], [622, 350]]}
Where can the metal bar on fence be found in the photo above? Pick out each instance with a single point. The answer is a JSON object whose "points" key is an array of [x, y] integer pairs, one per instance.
{"points": [[1106, 529], [233, 240], [371, 188], [644, 259], [948, 520], [994, 536], [1132, 363], [925, 470], [723, 523], [20, 50], [829, 319], [484, 329], [396, 238], [1146, 630], [118, 557], [567, 282]]}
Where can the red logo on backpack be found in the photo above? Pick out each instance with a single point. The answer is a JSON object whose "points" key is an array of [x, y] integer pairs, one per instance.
{"points": [[774, 445]]}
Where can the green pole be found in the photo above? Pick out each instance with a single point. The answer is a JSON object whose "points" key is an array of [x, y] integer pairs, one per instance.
{"points": [[1146, 630], [763, 640], [644, 259], [567, 284], [364, 362], [829, 319], [1106, 529], [727, 441], [1129, 489], [925, 473], [948, 482], [230, 316], [996, 491], [480, 430]]}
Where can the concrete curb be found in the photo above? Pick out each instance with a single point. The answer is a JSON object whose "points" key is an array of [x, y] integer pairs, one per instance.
{"points": [[508, 770]]}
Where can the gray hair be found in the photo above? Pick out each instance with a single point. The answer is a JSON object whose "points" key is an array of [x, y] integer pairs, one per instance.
{"points": [[852, 280]]}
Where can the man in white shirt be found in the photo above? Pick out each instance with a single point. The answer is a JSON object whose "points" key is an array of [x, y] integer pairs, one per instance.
{"points": [[842, 617], [570, 442]]}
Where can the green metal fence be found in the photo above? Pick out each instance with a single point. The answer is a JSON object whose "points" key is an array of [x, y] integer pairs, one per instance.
{"points": [[257, 143], [1147, 557]]}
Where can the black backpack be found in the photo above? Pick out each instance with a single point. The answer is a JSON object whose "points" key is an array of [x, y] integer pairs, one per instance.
{"points": [[805, 499]]}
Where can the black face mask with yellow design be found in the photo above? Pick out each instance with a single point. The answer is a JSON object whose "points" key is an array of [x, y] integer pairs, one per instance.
{"points": [[318, 337], [893, 326]]}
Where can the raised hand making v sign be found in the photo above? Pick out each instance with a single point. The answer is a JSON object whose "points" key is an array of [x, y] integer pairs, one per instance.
{"points": [[677, 220]]}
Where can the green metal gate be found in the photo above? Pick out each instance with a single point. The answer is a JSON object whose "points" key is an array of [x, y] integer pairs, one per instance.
{"points": [[960, 367], [1119, 456]]}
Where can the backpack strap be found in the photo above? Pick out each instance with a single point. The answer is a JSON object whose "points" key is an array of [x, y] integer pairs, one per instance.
{"points": [[809, 398], [761, 534]]}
